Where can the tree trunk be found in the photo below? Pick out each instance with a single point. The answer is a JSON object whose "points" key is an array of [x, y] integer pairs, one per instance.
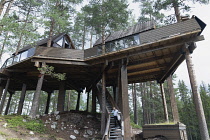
{"points": [[152, 116], [3, 45], [35, 103], [83, 38], [8, 8], [103, 40], [174, 108], [69, 101], [135, 104], [22, 98], [177, 11], [164, 103], [1, 91], [49, 42], [197, 99], [2, 3], [4, 96]]}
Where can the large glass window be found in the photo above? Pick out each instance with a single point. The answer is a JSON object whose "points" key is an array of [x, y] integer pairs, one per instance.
{"points": [[17, 58], [132, 41], [24, 55], [99, 50], [9, 61]]}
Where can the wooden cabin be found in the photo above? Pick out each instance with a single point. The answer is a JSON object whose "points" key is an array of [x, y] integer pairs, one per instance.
{"points": [[137, 54]]}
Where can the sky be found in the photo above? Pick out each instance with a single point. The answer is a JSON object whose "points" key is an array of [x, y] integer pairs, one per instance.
{"points": [[201, 55]]}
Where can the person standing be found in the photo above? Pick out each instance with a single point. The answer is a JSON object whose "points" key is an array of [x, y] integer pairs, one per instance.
{"points": [[115, 114]]}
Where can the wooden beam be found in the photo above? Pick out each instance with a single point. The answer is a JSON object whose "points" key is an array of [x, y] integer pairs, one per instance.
{"points": [[4, 95], [103, 111], [48, 103], [8, 103], [61, 96], [164, 103], [125, 104], [53, 61], [21, 101]]}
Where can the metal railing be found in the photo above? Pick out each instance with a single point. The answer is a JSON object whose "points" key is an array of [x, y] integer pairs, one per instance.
{"points": [[19, 57]]}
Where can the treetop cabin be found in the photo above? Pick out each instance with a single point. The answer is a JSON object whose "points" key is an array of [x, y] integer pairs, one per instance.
{"points": [[138, 54]]}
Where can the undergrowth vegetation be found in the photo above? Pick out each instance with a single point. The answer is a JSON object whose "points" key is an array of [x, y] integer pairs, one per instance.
{"points": [[16, 121]]}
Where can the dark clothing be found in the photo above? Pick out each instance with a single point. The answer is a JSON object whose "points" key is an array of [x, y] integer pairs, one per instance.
{"points": [[116, 121]]}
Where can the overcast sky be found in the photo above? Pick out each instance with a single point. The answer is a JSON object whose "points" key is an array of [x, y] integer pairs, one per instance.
{"points": [[201, 55]]}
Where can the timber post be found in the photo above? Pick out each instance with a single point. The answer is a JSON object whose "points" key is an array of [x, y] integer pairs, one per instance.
{"points": [[164, 103], [35, 102], [8, 103], [78, 100], [48, 102], [197, 99], [88, 96], [1, 91], [125, 102], [22, 98], [4, 96], [174, 108], [61, 96], [103, 103], [94, 92]]}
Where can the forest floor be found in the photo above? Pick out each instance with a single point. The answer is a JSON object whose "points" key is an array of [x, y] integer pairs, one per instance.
{"points": [[63, 126]]}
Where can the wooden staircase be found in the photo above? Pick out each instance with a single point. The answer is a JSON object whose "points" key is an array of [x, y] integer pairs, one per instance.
{"points": [[115, 133]]}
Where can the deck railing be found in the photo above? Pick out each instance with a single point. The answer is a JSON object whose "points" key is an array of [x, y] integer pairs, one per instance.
{"points": [[19, 57], [114, 45]]}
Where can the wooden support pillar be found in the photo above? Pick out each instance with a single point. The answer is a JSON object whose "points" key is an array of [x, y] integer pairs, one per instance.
{"points": [[103, 103], [114, 92], [125, 102], [119, 89], [8, 103], [197, 99], [61, 96], [94, 92], [174, 108], [48, 103], [35, 102], [1, 91], [4, 96], [88, 94], [164, 102], [22, 98], [78, 101]]}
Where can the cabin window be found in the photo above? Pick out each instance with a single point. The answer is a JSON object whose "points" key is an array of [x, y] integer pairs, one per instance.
{"points": [[9, 61], [60, 42], [99, 50], [108, 47], [24, 55], [119, 44], [132, 41], [16, 58]]}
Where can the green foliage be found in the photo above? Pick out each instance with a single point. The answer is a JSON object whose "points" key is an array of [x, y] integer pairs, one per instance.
{"points": [[15, 121], [135, 125], [49, 70], [3, 134]]}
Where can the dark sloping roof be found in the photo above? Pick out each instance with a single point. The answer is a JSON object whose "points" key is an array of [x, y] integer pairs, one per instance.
{"points": [[42, 42], [138, 28]]}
